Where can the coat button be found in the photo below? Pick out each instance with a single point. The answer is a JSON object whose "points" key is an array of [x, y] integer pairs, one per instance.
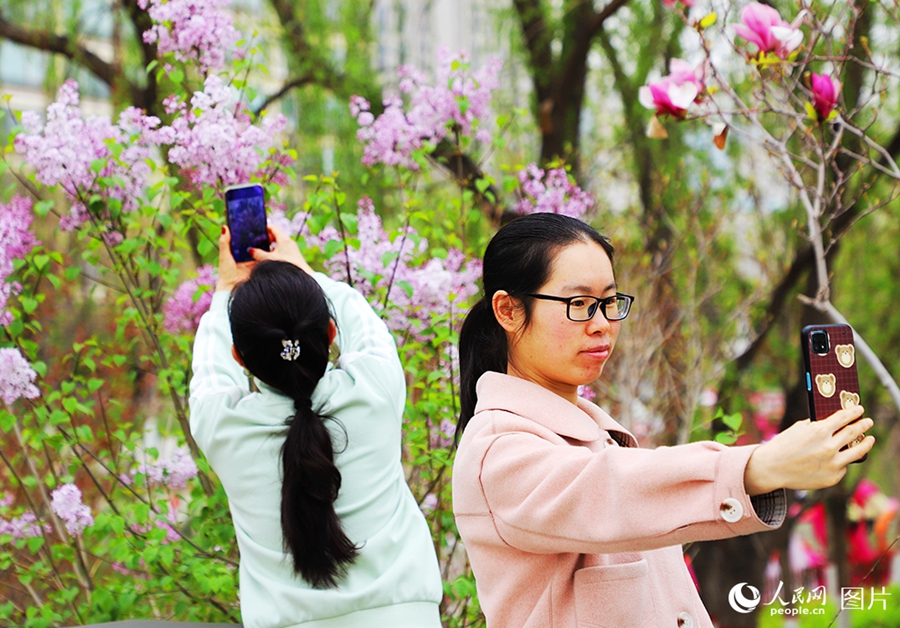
{"points": [[685, 620], [731, 510]]}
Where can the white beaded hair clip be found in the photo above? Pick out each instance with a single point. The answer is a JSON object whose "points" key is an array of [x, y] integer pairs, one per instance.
{"points": [[291, 350]]}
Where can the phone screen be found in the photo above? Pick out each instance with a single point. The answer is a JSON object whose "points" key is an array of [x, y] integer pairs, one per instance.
{"points": [[245, 207]]}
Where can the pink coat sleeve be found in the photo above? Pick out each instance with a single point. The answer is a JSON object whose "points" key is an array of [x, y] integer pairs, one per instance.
{"points": [[550, 498]]}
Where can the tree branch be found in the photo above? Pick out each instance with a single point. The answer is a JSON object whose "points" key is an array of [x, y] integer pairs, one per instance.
{"points": [[294, 83], [65, 46], [534, 30]]}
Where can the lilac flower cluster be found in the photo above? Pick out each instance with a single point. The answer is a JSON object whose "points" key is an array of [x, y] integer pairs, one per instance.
{"points": [[183, 311], [16, 376], [193, 30], [553, 193], [216, 141], [417, 291], [173, 472], [459, 102], [16, 240], [442, 435], [64, 149], [66, 502], [23, 527]]}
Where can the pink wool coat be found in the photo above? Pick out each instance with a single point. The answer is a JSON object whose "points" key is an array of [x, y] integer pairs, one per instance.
{"points": [[568, 524]]}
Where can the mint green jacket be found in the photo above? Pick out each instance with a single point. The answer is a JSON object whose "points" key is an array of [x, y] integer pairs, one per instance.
{"points": [[395, 580]]}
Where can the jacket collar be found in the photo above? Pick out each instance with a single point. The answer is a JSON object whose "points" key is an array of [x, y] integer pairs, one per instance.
{"points": [[497, 391]]}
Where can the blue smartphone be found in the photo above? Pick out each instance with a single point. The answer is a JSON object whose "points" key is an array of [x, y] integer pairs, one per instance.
{"points": [[245, 210]]}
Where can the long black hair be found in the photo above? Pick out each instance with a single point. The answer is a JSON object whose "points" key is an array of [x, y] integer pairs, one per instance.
{"points": [[280, 302], [518, 260]]}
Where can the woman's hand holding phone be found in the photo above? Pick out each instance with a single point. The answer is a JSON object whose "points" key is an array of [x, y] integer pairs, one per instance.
{"points": [[231, 273], [810, 454], [284, 249]]}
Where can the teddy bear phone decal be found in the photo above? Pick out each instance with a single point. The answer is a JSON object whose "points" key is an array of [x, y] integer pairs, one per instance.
{"points": [[829, 356]]}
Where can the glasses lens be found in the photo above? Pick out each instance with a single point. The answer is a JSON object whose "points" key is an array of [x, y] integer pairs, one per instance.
{"points": [[582, 308], [617, 308]]}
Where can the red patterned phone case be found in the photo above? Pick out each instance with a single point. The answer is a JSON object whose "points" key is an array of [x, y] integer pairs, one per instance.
{"points": [[829, 355]]}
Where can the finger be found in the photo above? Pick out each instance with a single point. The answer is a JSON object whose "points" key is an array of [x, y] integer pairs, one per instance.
{"points": [[259, 255], [856, 452], [842, 417], [854, 431], [225, 256], [276, 233]]}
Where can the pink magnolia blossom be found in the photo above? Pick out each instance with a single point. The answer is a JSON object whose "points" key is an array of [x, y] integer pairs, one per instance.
{"points": [[551, 192], [192, 30], [66, 503], [460, 101], [16, 376], [216, 141], [16, 241], [64, 149], [762, 25], [183, 311], [825, 92], [673, 94], [671, 3]]}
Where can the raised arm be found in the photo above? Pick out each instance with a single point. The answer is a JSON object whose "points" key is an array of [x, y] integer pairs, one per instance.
{"points": [[218, 381]]}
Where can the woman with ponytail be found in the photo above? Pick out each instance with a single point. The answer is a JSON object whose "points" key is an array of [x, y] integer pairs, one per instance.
{"points": [[566, 521], [309, 451]]}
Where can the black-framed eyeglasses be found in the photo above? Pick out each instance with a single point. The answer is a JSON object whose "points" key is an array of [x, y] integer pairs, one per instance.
{"points": [[582, 308]]}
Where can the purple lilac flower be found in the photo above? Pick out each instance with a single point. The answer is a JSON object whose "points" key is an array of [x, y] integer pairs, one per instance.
{"points": [[216, 141], [183, 311], [16, 240], [442, 436], [66, 503], [429, 503], [16, 376], [417, 291], [174, 472], [553, 193], [459, 101], [63, 149], [23, 527], [193, 30]]}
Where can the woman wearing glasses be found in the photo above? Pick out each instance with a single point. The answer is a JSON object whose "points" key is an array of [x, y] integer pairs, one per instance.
{"points": [[565, 520]]}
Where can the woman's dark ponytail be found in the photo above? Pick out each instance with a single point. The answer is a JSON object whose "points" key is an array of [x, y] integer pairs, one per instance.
{"points": [[482, 348], [281, 304], [518, 260], [310, 526]]}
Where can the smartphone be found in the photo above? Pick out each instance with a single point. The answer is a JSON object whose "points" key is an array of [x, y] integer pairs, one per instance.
{"points": [[245, 210], [829, 356]]}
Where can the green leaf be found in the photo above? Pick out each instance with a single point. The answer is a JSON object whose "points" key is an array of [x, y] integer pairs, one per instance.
{"points": [[43, 208], [35, 543], [41, 261], [332, 247], [407, 287], [733, 421]]}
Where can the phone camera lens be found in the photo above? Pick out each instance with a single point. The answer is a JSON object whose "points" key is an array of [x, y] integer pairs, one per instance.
{"points": [[819, 341]]}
